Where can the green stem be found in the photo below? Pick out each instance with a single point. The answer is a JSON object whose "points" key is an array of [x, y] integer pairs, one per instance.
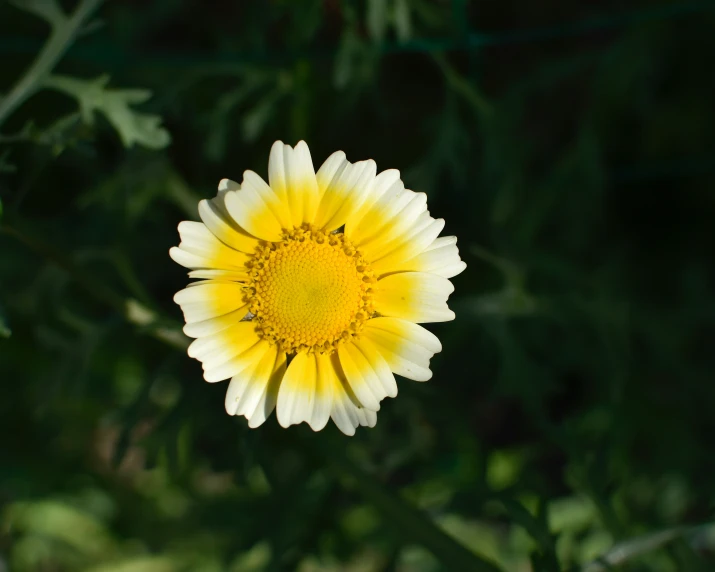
{"points": [[63, 33], [412, 523], [462, 87]]}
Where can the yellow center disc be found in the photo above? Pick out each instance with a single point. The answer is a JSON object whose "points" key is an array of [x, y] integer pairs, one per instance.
{"points": [[310, 291]]}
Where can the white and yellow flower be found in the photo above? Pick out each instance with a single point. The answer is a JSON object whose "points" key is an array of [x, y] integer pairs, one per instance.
{"points": [[311, 287]]}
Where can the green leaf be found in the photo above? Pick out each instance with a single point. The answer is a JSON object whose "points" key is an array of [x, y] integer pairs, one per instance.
{"points": [[377, 19], [116, 105], [139, 564], [629, 549], [412, 523], [403, 20], [59, 521], [5, 331]]}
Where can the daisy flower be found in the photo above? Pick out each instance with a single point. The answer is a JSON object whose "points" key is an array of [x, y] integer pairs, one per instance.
{"points": [[311, 288]]}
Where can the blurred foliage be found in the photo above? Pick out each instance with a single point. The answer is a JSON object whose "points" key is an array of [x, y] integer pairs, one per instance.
{"points": [[569, 424]]}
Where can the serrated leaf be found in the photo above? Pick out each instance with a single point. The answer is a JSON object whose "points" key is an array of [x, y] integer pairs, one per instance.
{"points": [[115, 104]]}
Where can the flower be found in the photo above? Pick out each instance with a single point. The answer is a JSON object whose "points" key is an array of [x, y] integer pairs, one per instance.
{"points": [[311, 288]]}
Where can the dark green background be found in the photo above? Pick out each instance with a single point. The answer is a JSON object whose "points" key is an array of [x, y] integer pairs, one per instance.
{"points": [[571, 148]]}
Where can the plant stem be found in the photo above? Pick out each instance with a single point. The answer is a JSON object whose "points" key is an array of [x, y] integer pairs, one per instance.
{"points": [[410, 522], [63, 33]]}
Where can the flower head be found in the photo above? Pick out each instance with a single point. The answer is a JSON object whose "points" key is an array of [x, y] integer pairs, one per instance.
{"points": [[311, 287]]}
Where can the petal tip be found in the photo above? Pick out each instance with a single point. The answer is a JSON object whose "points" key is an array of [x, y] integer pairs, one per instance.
{"points": [[177, 298], [228, 185]]}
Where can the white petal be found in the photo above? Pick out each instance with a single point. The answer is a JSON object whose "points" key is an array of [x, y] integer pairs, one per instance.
{"points": [[363, 380], [292, 176], [213, 325], [267, 403], [223, 353], [199, 248], [328, 170], [410, 244], [216, 218], [366, 417], [218, 370], [296, 396], [344, 416], [345, 193], [386, 219], [262, 376], [346, 413], [327, 377], [220, 275], [228, 185], [414, 296], [440, 257], [256, 208], [379, 366], [386, 186], [253, 391], [407, 347], [209, 299]]}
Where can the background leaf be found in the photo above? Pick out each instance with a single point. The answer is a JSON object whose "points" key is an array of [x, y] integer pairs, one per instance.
{"points": [[567, 425], [115, 104]]}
